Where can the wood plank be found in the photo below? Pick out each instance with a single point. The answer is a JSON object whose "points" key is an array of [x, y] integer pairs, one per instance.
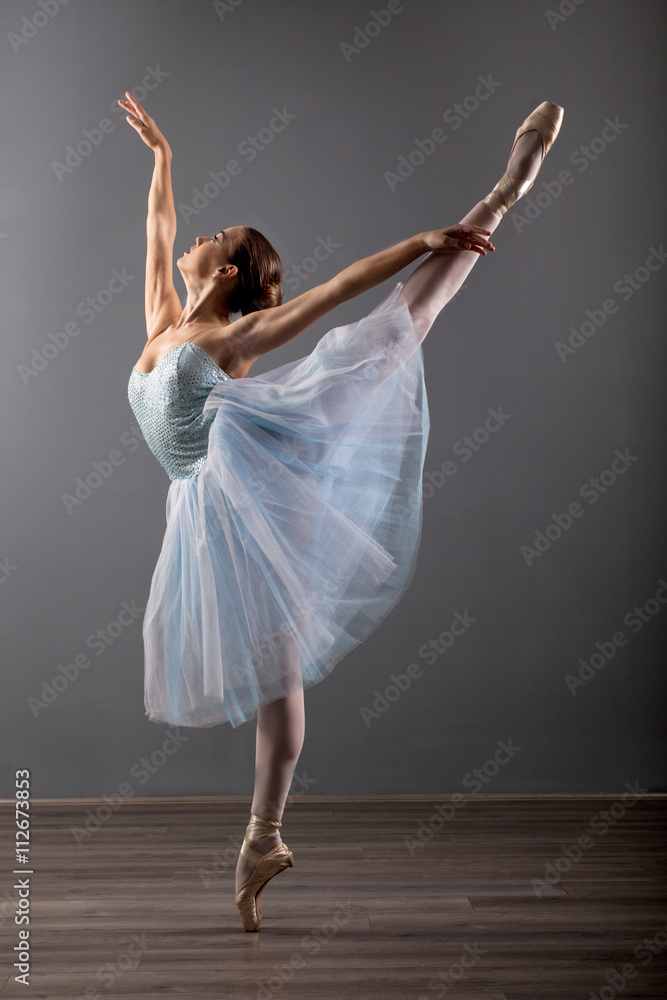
{"points": [[361, 915]]}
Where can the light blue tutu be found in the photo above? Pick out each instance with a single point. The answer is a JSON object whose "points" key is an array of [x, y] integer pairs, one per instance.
{"points": [[293, 517]]}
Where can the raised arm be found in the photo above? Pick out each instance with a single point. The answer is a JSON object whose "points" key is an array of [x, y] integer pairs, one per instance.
{"points": [[270, 328], [163, 305]]}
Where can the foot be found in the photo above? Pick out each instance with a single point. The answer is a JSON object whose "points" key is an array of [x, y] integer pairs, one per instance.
{"points": [[522, 169], [262, 845], [526, 157]]}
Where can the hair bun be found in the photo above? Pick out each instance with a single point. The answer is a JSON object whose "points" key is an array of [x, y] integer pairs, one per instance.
{"points": [[271, 295], [260, 274]]}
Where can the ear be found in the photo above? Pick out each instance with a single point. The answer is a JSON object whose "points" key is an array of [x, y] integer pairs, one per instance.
{"points": [[227, 271]]}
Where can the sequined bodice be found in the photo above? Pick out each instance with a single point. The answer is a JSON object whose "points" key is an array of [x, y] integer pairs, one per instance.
{"points": [[168, 403]]}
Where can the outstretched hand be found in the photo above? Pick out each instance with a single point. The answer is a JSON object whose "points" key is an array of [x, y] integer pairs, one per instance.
{"points": [[143, 123], [453, 239]]}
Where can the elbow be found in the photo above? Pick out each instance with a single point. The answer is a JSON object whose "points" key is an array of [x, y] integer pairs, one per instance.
{"points": [[161, 226], [343, 287]]}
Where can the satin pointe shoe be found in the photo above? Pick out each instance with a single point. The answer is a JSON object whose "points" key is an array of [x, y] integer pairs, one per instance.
{"points": [[546, 118], [274, 861]]}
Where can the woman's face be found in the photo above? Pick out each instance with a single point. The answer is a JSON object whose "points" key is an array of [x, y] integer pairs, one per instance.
{"points": [[208, 253]]}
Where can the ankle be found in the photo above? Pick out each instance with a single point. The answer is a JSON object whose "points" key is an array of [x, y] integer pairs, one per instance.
{"points": [[270, 839]]}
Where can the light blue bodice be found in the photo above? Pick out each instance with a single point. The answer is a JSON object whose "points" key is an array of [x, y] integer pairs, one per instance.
{"points": [[168, 403]]}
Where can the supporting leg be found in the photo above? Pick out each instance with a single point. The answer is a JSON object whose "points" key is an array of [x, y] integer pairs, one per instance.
{"points": [[280, 735]]}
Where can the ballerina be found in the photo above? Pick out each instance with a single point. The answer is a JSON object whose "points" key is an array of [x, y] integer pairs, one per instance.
{"points": [[294, 510]]}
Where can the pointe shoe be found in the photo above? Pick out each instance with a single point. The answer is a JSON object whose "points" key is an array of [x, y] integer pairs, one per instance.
{"points": [[274, 861], [546, 118]]}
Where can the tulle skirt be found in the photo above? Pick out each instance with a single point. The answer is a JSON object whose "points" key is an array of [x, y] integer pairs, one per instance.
{"points": [[301, 531]]}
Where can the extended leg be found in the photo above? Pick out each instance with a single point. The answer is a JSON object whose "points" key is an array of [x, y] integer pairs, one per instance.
{"points": [[438, 277]]}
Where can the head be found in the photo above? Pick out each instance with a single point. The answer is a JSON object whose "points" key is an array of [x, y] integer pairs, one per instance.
{"points": [[237, 268]]}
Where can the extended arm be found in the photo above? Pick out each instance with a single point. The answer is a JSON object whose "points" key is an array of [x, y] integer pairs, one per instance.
{"points": [[270, 328], [163, 305]]}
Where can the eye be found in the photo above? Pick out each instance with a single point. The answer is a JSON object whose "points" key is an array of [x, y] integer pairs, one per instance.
{"points": [[215, 239]]}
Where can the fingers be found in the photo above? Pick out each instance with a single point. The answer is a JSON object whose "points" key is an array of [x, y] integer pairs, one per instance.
{"points": [[474, 239], [474, 245], [479, 241], [477, 247], [132, 118], [134, 102], [135, 108]]}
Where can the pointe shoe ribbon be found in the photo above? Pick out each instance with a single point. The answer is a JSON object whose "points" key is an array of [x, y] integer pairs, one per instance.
{"points": [[547, 119], [248, 898]]}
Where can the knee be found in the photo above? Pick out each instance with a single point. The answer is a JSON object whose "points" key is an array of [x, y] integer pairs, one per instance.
{"points": [[422, 317], [422, 306]]}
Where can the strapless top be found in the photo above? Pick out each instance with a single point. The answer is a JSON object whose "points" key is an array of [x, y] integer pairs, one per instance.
{"points": [[168, 403]]}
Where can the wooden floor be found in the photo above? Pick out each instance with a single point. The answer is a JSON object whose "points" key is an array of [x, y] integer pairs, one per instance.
{"points": [[487, 905]]}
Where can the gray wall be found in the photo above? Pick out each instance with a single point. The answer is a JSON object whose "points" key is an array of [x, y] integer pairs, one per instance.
{"points": [[216, 75]]}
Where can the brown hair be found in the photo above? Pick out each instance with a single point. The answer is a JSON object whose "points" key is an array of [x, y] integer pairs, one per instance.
{"points": [[260, 273]]}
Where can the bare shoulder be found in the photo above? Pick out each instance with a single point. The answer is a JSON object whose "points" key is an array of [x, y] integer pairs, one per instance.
{"points": [[226, 343], [168, 323]]}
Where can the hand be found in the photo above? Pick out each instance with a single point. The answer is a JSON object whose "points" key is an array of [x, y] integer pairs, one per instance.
{"points": [[143, 123], [457, 238]]}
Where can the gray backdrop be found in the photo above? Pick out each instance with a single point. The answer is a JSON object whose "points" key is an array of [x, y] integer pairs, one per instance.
{"points": [[555, 682]]}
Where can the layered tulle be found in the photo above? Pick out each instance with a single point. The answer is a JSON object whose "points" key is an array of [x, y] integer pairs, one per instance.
{"points": [[302, 529]]}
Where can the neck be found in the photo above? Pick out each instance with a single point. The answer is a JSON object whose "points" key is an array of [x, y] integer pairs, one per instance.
{"points": [[204, 305]]}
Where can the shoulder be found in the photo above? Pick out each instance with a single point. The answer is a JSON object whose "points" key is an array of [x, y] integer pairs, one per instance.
{"points": [[162, 328], [229, 344]]}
